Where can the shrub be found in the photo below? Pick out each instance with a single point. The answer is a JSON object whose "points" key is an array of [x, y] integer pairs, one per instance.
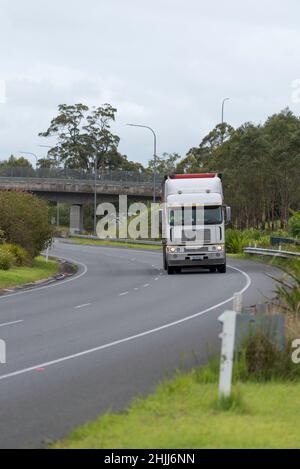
{"points": [[288, 288], [252, 233], [6, 259], [261, 360], [236, 241], [20, 254], [294, 224], [25, 221], [61, 232], [2, 237]]}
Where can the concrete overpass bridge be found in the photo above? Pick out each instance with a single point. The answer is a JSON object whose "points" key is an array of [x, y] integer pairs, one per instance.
{"points": [[75, 187]]}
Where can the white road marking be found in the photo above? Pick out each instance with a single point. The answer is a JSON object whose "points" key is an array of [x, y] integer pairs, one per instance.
{"points": [[11, 323], [130, 338], [82, 306], [146, 285], [124, 293]]}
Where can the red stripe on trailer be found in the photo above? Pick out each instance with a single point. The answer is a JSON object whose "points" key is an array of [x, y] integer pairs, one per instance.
{"points": [[195, 176]]}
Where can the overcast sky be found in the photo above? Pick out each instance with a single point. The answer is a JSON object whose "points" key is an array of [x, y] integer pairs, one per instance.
{"points": [[164, 63]]}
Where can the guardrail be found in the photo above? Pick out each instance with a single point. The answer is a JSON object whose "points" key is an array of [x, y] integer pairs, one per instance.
{"points": [[105, 176], [272, 252]]}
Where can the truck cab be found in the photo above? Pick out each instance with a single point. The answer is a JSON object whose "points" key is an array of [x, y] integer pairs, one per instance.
{"points": [[194, 222]]}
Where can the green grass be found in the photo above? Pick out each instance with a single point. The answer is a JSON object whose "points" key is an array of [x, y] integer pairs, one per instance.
{"points": [[268, 260], [21, 275], [100, 242], [186, 413]]}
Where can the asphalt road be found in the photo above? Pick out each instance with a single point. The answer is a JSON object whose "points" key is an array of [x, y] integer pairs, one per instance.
{"points": [[91, 343]]}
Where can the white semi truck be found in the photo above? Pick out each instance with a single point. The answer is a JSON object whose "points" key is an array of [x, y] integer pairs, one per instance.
{"points": [[194, 218]]}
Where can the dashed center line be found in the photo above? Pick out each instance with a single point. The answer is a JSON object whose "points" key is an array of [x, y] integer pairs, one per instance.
{"points": [[82, 306], [11, 323], [124, 293], [146, 285]]}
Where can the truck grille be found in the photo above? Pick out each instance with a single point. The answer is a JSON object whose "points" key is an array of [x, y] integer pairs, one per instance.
{"points": [[191, 250], [190, 235]]}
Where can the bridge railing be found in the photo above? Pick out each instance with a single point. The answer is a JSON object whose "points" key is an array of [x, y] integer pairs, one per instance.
{"points": [[114, 176]]}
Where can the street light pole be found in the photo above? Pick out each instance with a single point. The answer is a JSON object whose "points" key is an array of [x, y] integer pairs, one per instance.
{"points": [[95, 193], [154, 155], [223, 103]]}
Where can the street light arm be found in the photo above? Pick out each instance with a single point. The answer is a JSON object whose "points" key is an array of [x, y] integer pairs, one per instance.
{"points": [[29, 153], [146, 127], [154, 154]]}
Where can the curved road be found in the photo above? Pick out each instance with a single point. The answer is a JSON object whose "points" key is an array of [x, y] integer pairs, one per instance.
{"points": [[91, 343]]}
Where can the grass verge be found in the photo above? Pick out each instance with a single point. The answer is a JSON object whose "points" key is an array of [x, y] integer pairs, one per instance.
{"points": [[20, 275], [268, 260], [100, 242], [185, 413]]}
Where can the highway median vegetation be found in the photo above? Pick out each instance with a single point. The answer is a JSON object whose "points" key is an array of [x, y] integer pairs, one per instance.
{"points": [[25, 231], [39, 269], [25, 228], [25, 221], [104, 242]]}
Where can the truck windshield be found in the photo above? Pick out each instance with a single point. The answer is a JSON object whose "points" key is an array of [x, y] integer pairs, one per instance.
{"points": [[191, 216]]}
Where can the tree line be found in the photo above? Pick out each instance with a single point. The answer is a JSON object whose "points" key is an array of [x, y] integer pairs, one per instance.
{"points": [[260, 164]]}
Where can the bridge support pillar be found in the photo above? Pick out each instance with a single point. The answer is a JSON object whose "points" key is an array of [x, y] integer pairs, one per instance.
{"points": [[76, 219]]}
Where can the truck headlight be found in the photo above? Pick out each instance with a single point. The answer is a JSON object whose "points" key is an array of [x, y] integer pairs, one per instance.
{"points": [[220, 247], [171, 249]]}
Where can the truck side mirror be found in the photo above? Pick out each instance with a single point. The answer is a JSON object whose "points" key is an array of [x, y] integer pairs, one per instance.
{"points": [[228, 215]]}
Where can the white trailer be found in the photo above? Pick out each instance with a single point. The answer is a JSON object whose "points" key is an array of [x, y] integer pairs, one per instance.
{"points": [[194, 218]]}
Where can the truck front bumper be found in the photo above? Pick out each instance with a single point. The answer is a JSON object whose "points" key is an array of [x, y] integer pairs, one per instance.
{"points": [[199, 259]]}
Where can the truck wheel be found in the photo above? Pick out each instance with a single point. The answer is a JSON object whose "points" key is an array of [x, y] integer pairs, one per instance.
{"points": [[177, 270], [165, 259], [213, 269], [222, 268], [170, 270]]}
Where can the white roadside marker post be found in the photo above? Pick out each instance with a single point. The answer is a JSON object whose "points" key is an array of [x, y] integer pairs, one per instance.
{"points": [[2, 352], [228, 319], [47, 254], [238, 302]]}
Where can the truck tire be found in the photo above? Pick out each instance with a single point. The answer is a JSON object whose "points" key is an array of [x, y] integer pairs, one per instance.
{"points": [[213, 269], [165, 258], [170, 270], [222, 268]]}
